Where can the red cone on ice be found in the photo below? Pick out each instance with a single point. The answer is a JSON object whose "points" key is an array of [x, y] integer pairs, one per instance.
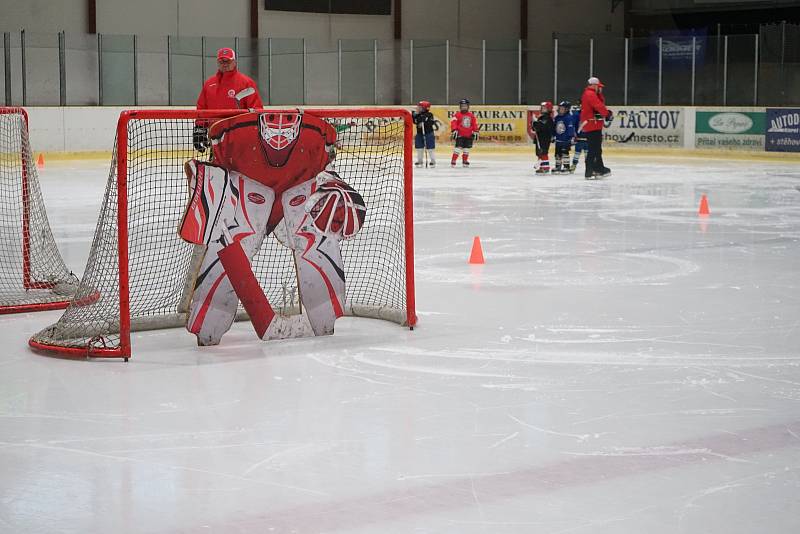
{"points": [[476, 256], [704, 207], [40, 161]]}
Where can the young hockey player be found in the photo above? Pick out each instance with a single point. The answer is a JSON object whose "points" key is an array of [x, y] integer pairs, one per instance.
{"points": [[425, 138], [580, 138], [464, 128], [565, 137], [543, 132]]}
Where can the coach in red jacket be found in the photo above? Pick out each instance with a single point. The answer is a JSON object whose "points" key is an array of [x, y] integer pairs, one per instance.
{"points": [[593, 116], [220, 92]]}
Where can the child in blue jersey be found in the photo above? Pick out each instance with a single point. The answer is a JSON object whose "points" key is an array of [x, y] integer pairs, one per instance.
{"points": [[565, 136], [581, 145]]}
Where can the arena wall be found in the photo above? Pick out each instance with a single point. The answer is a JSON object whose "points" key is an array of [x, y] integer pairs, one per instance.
{"points": [[421, 19], [667, 129]]}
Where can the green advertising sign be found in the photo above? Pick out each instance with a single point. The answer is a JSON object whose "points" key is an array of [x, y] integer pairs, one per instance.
{"points": [[730, 129], [731, 122]]}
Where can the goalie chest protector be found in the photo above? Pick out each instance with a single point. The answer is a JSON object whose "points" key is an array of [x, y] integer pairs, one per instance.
{"points": [[279, 149]]}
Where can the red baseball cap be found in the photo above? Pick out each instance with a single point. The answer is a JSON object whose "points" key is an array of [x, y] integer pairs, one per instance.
{"points": [[226, 53]]}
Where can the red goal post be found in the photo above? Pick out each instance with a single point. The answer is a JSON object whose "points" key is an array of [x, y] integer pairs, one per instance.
{"points": [[147, 192]]}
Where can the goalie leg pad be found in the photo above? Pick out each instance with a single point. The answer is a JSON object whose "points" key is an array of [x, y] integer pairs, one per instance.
{"points": [[318, 260], [240, 273], [243, 219], [208, 187]]}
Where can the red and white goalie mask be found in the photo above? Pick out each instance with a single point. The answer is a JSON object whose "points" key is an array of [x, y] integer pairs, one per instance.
{"points": [[279, 130]]}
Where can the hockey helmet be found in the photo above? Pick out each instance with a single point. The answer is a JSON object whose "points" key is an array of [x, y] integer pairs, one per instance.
{"points": [[566, 104], [463, 103], [547, 105], [424, 104]]}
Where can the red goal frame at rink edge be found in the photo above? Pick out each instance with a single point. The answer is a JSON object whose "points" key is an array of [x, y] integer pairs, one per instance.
{"points": [[26, 240], [124, 348]]}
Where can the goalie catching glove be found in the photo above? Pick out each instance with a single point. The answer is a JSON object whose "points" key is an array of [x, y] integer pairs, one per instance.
{"points": [[338, 210]]}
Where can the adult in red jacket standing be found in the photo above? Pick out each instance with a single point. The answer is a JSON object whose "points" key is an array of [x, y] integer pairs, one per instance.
{"points": [[227, 89], [593, 116]]}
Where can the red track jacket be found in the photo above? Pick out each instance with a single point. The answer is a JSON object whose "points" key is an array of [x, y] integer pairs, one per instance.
{"points": [[593, 105], [219, 90]]}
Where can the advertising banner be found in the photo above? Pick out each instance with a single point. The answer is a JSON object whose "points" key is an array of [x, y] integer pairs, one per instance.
{"points": [[783, 130], [676, 49], [730, 129], [654, 127], [498, 124]]}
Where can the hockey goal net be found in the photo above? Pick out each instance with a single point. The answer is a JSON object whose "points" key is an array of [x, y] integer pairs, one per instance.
{"points": [[140, 274], [33, 275]]}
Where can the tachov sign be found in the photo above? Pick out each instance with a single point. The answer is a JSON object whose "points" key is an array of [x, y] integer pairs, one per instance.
{"points": [[730, 128], [646, 126]]}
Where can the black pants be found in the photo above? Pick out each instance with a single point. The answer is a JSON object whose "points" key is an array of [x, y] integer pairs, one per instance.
{"points": [[594, 156]]}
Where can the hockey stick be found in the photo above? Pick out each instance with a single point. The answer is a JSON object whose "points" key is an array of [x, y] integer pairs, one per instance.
{"points": [[241, 95]]}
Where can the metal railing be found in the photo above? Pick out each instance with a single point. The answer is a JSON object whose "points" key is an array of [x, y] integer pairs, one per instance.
{"points": [[83, 69]]}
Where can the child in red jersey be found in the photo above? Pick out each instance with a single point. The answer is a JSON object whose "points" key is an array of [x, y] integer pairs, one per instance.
{"points": [[464, 128]]}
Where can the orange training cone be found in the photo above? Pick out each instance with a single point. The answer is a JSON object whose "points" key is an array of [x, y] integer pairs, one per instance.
{"points": [[40, 161], [476, 256], [704, 206]]}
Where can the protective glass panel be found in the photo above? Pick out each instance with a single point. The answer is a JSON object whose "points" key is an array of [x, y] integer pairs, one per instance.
{"points": [[186, 74], [609, 66], [358, 71], [466, 70], [573, 66], [537, 73], [323, 68], [643, 71], [82, 73], [676, 61], [284, 75], [41, 65], [118, 70], [741, 70], [393, 72], [430, 72], [502, 69], [151, 69]]}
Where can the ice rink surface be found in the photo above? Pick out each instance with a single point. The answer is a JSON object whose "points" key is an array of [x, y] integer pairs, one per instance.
{"points": [[619, 365]]}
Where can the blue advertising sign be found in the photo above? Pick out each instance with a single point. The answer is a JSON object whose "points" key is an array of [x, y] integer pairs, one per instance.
{"points": [[783, 130], [676, 49]]}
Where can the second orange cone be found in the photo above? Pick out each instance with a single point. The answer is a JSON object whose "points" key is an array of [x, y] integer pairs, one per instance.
{"points": [[703, 206], [40, 161], [476, 256]]}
